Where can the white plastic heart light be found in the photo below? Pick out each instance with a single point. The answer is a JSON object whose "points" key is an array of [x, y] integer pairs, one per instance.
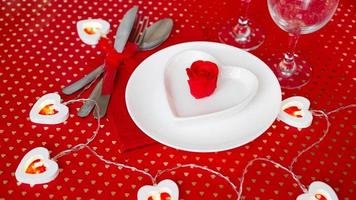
{"points": [[295, 112], [49, 110], [164, 190], [236, 87], [36, 167], [318, 191], [90, 30]]}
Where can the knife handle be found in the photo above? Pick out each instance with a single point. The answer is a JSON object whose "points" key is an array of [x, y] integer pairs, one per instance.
{"points": [[89, 105], [70, 89], [103, 102]]}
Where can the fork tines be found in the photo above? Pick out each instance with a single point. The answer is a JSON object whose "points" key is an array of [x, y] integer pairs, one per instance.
{"points": [[139, 29]]}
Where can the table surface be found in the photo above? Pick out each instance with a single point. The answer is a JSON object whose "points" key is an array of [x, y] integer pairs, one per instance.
{"points": [[40, 52]]}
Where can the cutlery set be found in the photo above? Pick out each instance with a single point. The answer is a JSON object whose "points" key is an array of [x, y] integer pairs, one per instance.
{"points": [[131, 29]]}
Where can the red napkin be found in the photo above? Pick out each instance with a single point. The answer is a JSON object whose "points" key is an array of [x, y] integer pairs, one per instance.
{"points": [[130, 136]]}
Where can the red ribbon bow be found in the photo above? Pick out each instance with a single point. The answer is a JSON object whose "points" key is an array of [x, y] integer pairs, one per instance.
{"points": [[113, 60]]}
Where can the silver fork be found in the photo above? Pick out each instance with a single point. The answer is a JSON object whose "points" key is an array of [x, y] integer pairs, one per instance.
{"points": [[103, 100]]}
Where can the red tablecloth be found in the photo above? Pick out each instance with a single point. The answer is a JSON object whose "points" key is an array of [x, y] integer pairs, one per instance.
{"points": [[40, 52]]}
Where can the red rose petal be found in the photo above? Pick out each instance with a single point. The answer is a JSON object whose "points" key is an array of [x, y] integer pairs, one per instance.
{"points": [[202, 78]]}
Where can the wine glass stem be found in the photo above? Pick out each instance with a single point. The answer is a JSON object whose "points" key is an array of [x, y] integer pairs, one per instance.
{"points": [[242, 30], [287, 66]]}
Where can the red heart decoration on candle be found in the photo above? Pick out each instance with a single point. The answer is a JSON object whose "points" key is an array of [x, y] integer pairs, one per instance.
{"points": [[320, 197], [91, 30], [36, 167], [48, 110], [293, 111], [163, 196]]}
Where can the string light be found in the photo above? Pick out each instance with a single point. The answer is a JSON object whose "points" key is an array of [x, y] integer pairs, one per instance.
{"points": [[37, 166]]}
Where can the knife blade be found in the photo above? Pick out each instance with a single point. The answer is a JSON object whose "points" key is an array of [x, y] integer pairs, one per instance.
{"points": [[89, 105], [122, 35], [73, 87], [124, 30]]}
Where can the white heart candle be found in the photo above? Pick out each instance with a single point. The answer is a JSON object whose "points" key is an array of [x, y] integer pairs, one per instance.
{"points": [[36, 167], [49, 110], [318, 191], [295, 112], [90, 30], [164, 190]]}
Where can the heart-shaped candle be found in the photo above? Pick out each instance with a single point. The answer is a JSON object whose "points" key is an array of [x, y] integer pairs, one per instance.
{"points": [[49, 110], [318, 191], [295, 112], [164, 190], [91, 30], [36, 167], [236, 86]]}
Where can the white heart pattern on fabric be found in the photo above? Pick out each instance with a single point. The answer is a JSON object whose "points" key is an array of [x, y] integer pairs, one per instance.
{"points": [[36, 167], [236, 87], [49, 110], [318, 191], [295, 112], [164, 190], [90, 30]]}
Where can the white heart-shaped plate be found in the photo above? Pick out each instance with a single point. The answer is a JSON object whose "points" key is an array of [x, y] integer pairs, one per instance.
{"points": [[42, 154], [165, 186], [147, 103], [49, 99], [90, 30], [236, 87], [318, 191]]}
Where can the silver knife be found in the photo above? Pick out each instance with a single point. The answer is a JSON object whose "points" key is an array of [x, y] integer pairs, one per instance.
{"points": [[122, 35], [89, 105], [73, 87]]}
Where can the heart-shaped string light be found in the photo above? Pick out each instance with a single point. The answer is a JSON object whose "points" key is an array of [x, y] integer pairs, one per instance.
{"points": [[164, 190], [295, 112], [239, 191], [318, 191], [49, 110], [36, 167], [39, 164], [90, 30]]}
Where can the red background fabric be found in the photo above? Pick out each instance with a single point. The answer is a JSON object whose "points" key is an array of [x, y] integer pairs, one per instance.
{"points": [[40, 52]]}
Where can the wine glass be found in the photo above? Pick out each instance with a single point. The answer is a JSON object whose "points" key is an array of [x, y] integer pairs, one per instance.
{"points": [[298, 17], [244, 34]]}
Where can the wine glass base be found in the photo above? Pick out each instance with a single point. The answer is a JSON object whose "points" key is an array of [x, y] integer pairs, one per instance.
{"points": [[251, 42], [299, 78]]}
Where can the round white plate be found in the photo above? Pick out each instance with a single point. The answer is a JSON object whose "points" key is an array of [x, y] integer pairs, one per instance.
{"points": [[148, 106]]}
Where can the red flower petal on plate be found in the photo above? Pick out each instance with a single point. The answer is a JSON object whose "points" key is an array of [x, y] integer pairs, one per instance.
{"points": [[203, 77]]}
